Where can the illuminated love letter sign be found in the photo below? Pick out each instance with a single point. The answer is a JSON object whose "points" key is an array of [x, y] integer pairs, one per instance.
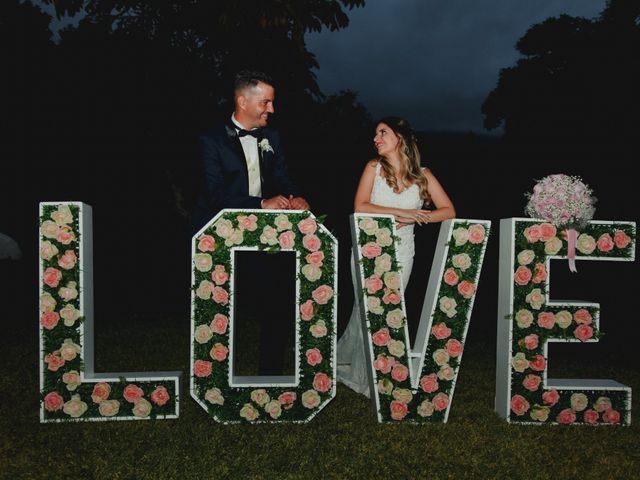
{"points": [[416, 384], [528, 320], [70, 388], [229, 398]]}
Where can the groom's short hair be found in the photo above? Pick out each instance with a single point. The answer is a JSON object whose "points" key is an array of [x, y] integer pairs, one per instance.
{"points": [[250, 78]]}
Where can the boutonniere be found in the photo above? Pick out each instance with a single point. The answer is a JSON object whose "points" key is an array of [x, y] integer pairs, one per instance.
{"points": [[265, 146]]}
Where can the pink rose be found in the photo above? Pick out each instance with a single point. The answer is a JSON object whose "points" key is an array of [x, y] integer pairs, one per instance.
{"points": [[546, 320], [522, 275], [68, 260], [381, 337], [591, 416], [287, 239], [611, 416], [566, 416], [451, 277], [219, 352], [550, 397], [220, 295], [440, 401], [49, 320], [65, 235], [287, 399], [399, 372], [160, 396], [322, 294], [583, 333], [605, 243], [322, 382], [583, 317], [533, 233], [371, 250], [219, 276], [519, 405], [383, 363], [539, 273], [219, 324], [132, 393], [531, 382], [547, 232], [538, 363], [441, 331], [206, 243], [315, 258], [53, 402], [100, 392], [202, 368], [453, 347], [391, 297], [621, 239], [54, 361], [466, 289], [311, 242], [373, 284], [307, 226], [306, 310], [429, 383], [531, 341], [476, 233], [314, 357], [52, 277], [398, 410], [247, 222]]}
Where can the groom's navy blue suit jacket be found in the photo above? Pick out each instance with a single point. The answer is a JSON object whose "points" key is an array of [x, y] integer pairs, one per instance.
{"points": [[226, 179]]}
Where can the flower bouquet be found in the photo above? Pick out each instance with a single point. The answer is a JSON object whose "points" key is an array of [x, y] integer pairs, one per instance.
{"points": [[566, 202]]}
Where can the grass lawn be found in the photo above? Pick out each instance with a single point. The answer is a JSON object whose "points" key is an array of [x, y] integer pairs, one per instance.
{"points": [[343, 441]]}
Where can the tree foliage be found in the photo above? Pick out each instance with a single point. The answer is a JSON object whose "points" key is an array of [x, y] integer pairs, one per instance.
{"points": [[577, 79]]}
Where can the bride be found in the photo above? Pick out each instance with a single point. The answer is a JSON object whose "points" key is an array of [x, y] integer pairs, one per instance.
{"points": [[393, 184]]}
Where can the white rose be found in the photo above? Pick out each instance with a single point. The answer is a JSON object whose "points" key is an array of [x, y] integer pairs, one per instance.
{"points": [[520, 362], [368, 225], [461, 261], [396, 348], [224, 228], [552, 246], [70, 314], [402, 395], [203, 334], [382, 264], [75, 407], [214, 395], [69, 350], [586, 244], [461, 236], [446, 372], [63, 215], [374, 306], [524, 318], [440, 356], [383, 237], [563, 318], [49, 229], [142, 408], [395, 318], [269, 236], [282, 223], [69, 292], [311, 272], [203, 262], [448, 306], [48, 250], [426, 409], [525, 257]]}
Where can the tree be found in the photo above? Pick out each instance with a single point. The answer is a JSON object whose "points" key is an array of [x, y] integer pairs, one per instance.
{"points": [[578, 79]]}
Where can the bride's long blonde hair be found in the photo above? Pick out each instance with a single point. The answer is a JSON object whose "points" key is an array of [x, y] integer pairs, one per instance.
{"points": [[409, 158]]}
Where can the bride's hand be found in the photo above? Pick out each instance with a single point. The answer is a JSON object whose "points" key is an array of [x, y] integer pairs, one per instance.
{"points": [[418, 216]]}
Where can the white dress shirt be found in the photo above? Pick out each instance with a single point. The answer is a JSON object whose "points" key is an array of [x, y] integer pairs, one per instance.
{"points": [[250, 148]]}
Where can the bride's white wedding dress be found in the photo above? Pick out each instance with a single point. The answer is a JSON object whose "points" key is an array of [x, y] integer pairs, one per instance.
{"points": [[352, 366]]}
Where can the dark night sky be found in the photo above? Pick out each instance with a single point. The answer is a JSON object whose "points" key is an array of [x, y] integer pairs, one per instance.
{"points": [[431, 61]]}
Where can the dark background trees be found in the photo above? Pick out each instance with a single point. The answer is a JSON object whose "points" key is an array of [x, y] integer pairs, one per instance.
{"points": [[110, 112]]}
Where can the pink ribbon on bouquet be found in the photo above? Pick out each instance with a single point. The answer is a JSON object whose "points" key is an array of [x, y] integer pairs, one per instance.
{"points": [[572, 238]]}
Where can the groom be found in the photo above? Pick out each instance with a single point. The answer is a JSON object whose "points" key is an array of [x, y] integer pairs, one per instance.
{"points": [[244, 167]]}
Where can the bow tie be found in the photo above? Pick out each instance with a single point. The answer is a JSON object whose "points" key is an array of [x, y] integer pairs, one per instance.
{"points": [[257, 132]]}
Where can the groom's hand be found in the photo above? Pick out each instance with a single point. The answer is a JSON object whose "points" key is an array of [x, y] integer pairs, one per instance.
{"points": [[276, 203], [298, 203]]}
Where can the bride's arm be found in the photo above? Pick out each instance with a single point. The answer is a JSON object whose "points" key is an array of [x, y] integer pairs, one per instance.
{"points": [[444, 206], [361, 203]]}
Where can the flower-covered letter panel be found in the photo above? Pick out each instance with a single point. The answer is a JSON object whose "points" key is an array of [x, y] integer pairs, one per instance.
{"points": [[70, 390], [416, 384], [227, 398], [528, 320]]}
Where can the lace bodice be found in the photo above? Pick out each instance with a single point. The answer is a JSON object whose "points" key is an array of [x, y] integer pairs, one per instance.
{"points": [[383, 195]]}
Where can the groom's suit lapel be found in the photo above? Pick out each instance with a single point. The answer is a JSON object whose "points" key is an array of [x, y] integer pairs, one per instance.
{"points": [[234, 142]]}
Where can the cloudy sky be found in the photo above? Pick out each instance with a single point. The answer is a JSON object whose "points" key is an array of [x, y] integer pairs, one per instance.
{"points": [[431, 61]]}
